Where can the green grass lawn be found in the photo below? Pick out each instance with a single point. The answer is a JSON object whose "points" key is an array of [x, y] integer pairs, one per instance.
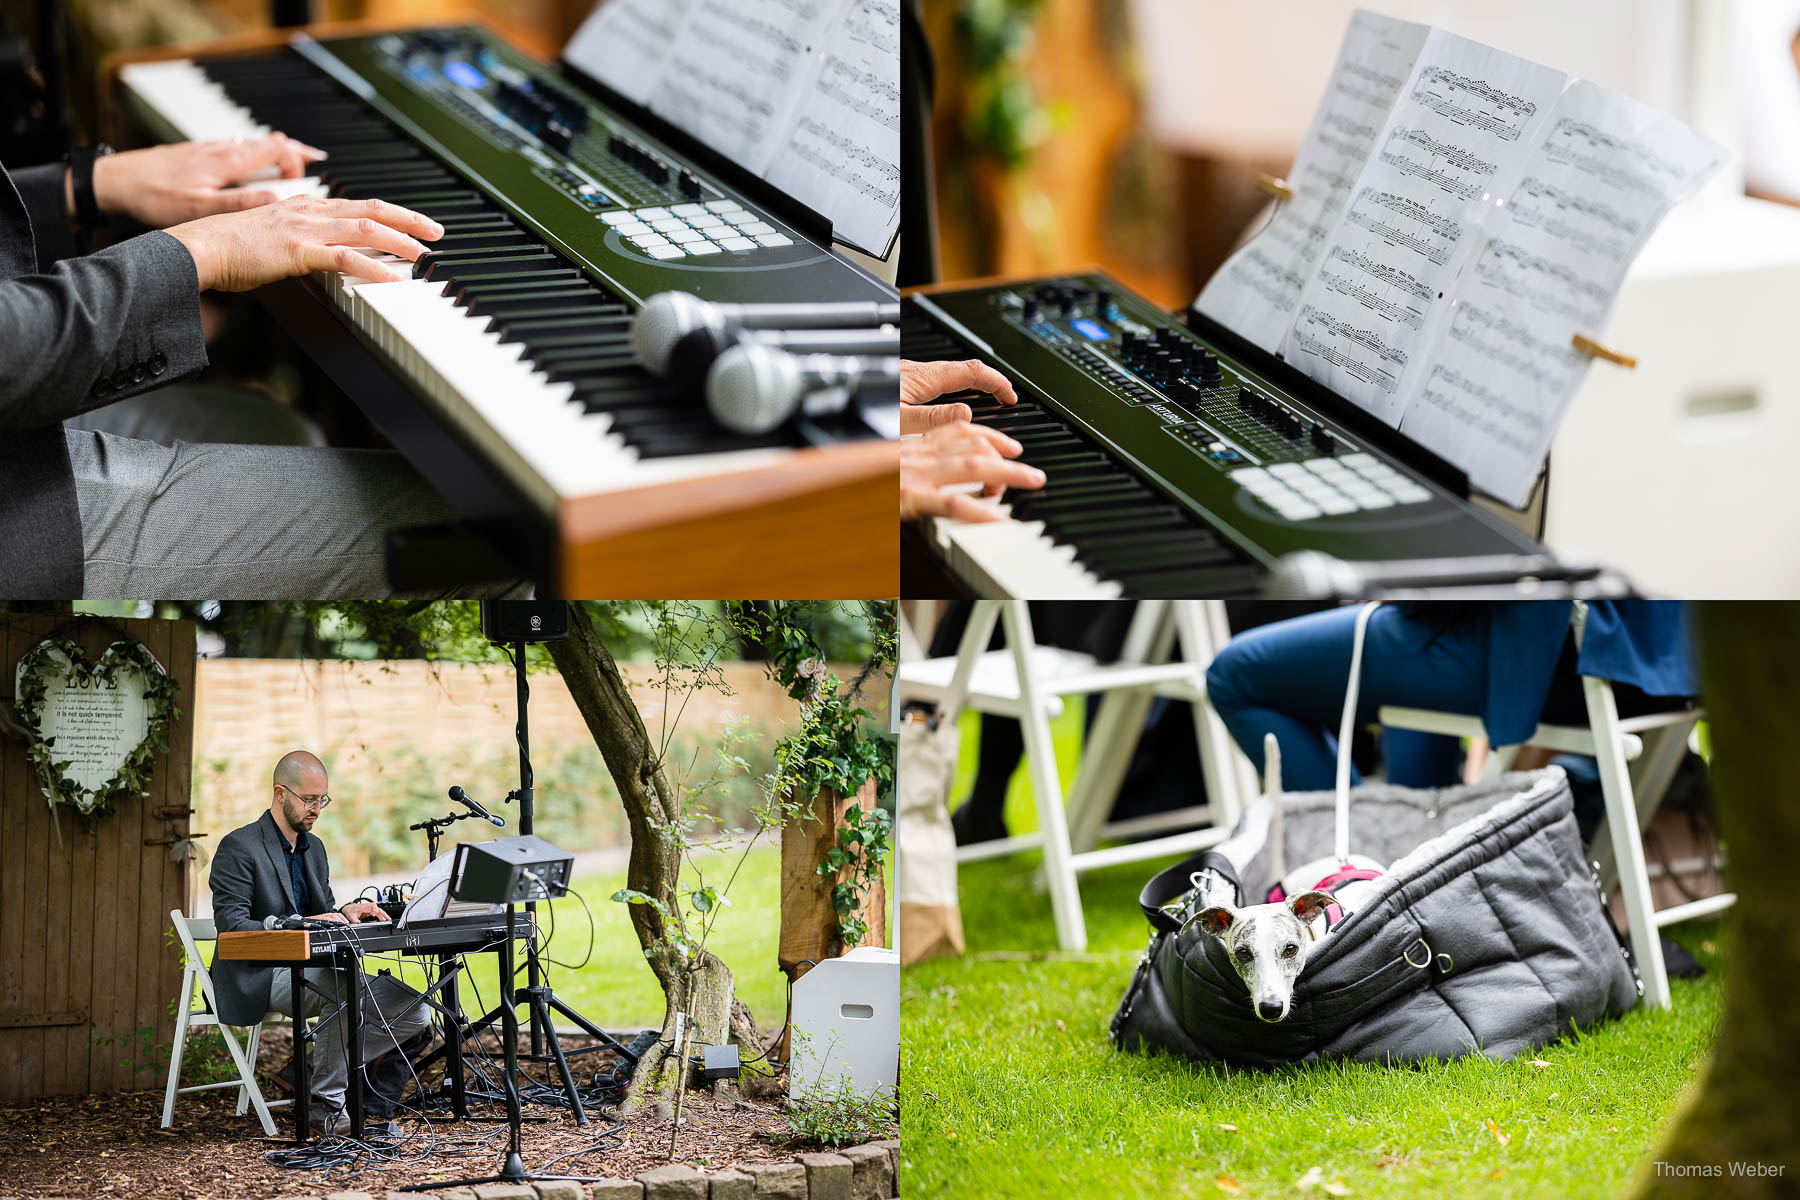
{"points": [[1011, 1088], [615, 988]]}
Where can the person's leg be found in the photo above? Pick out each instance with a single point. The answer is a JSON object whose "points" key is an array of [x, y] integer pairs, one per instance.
{"points": [[395, 1024], [1288, 679], [326, 1062], [272, 522], [208, 413]]}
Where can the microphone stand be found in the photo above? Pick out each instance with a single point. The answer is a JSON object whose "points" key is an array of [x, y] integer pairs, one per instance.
{"points": [[537, 993]]}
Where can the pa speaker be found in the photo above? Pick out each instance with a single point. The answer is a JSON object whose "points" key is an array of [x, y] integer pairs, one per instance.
{"points": [[524, 620]]}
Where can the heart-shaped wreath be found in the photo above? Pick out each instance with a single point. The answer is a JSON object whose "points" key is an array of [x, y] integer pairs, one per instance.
{"points": [[60, 657]]}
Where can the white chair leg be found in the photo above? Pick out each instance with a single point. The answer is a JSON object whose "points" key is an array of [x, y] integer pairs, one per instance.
{"points": [[183, 1011], [1040, 754], [1199, 622], [247, 1072], [1499, 761], [1627, 844], [1655, 769], [253, 1040], [1106, 752]]}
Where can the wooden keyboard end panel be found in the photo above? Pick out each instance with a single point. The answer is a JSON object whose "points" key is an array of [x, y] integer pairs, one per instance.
{"points": [[822, 525], [266, 945]]}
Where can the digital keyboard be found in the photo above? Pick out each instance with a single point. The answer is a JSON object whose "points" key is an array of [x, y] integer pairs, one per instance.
{"points": [[1180, 460], [562, 215], [447, 935]]}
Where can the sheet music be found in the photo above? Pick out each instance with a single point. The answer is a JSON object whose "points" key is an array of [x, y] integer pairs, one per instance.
{"points": [[1257, 289], [842, 149], [626, 44], [1554, 258], [805, 93], [736, 72], [1453, 139]]}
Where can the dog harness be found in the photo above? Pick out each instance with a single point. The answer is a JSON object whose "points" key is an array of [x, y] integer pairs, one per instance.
{"points": [[1329, 885]]}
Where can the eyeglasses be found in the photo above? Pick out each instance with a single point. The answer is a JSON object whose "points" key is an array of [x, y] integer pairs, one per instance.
{"points": [[319, 802]]}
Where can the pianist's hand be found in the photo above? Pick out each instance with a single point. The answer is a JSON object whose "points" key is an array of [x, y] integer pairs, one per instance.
{"points": [[959, 453], [235, 252], [164, 185], [923, 382], [359, 909], [338, 917]]}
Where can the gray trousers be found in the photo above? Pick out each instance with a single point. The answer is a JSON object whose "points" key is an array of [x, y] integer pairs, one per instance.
{"points": [[241, 522], [391, 1014]]}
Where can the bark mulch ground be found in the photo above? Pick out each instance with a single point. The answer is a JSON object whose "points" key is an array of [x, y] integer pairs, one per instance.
{"points": [[110, 1147]]}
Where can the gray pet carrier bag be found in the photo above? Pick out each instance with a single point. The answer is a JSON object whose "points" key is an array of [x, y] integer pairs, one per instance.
{"points": [[1486, 935]]}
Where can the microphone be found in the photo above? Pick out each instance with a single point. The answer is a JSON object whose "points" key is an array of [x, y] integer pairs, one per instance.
{"points": [[667, 316], [753, 388], [1312, 575], [697, 350], [462, 798]]}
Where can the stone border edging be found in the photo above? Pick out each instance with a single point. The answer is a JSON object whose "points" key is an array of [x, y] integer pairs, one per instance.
{"points": [[866, 1172]]}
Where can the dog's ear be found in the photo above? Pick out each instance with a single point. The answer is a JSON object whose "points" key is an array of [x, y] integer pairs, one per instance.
{"points": [[1308, 905], [1217, 918], [1271, 765]]}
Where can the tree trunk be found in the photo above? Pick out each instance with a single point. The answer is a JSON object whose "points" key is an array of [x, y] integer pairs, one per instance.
{"points": [[1742, 1110], [809, 921], [651, 805]]}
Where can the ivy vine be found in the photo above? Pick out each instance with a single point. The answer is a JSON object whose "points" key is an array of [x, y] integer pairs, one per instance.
{"points": [[61, 656]]}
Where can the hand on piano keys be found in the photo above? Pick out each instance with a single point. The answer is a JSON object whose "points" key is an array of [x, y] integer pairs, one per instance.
{"points": [[923, 382], [933, 465], [234, 252], [164, 185]]}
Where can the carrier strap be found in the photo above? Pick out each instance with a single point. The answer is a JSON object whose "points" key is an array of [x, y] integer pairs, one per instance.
{"points": [[1177, 881]]}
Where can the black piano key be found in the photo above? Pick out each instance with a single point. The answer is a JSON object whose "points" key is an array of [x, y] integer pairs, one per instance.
{"points": [[465, 290], [559, 297], [507, 317], [445, 268]]}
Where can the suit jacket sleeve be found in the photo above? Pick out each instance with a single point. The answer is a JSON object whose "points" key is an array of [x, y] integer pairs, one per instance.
{"points": [[96, 329], [233, 885], [48, 207]]}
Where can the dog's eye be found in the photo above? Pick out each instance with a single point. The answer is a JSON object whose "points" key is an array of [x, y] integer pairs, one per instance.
{"points": [[1244, 954], [1289, 950]]}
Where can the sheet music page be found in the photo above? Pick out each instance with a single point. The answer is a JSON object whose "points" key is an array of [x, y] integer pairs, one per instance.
{"points": [[1257, 289], [626, 43], [841, 150], [1554, 257], [737, 71], [1458, 134]]}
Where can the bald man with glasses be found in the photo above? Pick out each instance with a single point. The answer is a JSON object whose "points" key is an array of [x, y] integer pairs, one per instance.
{"points": [[276, 867]]}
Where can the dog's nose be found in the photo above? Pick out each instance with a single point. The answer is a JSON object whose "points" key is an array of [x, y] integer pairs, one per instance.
{"points": [[1269, 1010]]}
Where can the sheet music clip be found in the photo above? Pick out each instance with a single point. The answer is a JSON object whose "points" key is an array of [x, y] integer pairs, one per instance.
{"points": [[1593, 349], [1278, 188]]}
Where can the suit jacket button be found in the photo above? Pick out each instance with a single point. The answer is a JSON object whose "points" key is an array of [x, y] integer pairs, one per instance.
{"points": [[139, 373], [121, 378], [102, 386], [158, 364]]}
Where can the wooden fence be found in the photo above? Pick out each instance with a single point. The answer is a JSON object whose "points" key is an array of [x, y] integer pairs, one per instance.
{"points": [[84, 958]]}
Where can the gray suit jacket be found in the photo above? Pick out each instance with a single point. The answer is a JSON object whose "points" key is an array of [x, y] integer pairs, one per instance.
{"points": [[249, 882], [75, 333]]}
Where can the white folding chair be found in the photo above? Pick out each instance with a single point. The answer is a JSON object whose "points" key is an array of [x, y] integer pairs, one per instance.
{"points": [[191, 931], [1633, 780], [1028, 682]]}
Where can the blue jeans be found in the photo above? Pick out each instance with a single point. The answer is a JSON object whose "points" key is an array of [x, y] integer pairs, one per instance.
{"points": [[1288, 679]]}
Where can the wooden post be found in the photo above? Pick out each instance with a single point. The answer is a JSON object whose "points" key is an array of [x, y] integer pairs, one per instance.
{"points": [[809, 923]]}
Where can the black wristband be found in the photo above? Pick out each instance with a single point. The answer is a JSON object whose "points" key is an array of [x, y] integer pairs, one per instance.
{"points": [[81, 184]]}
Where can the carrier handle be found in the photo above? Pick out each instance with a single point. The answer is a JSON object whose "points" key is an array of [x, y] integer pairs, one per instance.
{"points": [[1175, 881], [1347, 727]]}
